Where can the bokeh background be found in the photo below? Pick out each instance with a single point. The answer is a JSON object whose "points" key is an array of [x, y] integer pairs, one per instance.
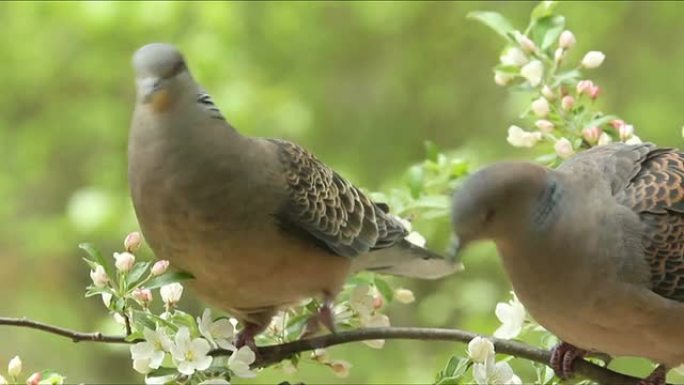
{"points": [[362, 84]]}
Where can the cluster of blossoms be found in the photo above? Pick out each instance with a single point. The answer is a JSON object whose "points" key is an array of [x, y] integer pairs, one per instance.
{"points": [[14, 373], [562, 108]]}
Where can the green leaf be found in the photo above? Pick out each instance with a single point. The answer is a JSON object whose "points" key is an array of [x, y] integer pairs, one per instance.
{"points": [[454, 370], [431, 151], [384, 288], [97, 257], [564, 77], [94, 290], [118, 305], [545, 31], [598, 122], [507, 69], [416, 175], [493, 20], [138, 270], [544, 9], [167, 278]]}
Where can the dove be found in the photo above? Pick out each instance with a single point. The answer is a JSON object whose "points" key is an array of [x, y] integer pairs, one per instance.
{"points": [[594, 249], [260, 223]]}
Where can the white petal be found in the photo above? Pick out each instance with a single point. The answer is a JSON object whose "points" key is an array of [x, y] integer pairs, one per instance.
{"points": [[245, 354], [375, 344], [214, 381], [142, 365], [502, 373], [141, 350], [200, 347], [156, 359], [480, 374], [241, 369], [480, 349], [186, 367], [225, 344], [222, 329], [202, 363]]}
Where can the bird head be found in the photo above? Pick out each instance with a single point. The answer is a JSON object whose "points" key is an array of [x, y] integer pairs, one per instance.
{"points": [[160, 75], [497, 202]]}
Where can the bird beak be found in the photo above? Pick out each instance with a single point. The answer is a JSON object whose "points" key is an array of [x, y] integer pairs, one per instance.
{"points": [[457, 245]]}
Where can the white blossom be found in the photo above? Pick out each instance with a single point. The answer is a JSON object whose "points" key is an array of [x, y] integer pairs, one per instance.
{"points": [[107, 299], [563, 148], [240, 360], [540, 107], [566, 40], [544, 126], [533, 72], [591, 134], [215, 381], [502, 78], [99, 276], [633, 140], [14, 367], [518, 137], [159, 267], [132, 242], [361, 300], [375, 321], [604, 139], [525, 42], [625, 131], [512, 316], [3, 380], [480, 349], [513, 56], [548, 93], [558, 55], [494, 373], [416, 238], [171, 293], [149, 354], [340, 368], [404, 295], [190, 354], [593, 59], [219, 333], [124, 261]]}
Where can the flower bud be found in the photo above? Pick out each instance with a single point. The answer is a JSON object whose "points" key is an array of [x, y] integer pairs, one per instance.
{"points": [[171, 293], [533, 72], [591, 134], [378, 302], [518, 137], [633, 140], [502, 78], [548, 93], [3, 380], [33, 379], [404, 296], [480, 349], [563, 148], [143, 296], [14, 367], [99, 276], [544, 126], [541, 107], [107, 299], [513, 56], [584, 86], [566, 40], [625, 131], [567, 102], [526, 43], [159, 267], [132, 242], [604, 139], [320, 355], [593, 59], [558, 55], [617, 123], [124, 261], [340, 368]]}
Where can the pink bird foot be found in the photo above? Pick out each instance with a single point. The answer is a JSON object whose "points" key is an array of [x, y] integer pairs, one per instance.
{"points": [[324, 317], [562, 357]]}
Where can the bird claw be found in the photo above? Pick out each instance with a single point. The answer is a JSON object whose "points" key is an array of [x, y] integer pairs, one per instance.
{"points": [[657, 377], [246, 336], [324, 317], [563, 356]]}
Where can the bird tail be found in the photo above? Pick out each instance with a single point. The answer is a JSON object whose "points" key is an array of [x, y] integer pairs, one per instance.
{"points": [[405, 259]]}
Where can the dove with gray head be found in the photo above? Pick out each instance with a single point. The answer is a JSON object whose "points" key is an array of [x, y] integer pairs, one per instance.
{"points": [[260, 223], [594, 249]]}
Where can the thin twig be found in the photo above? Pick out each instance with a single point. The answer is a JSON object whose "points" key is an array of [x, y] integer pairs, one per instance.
{"points": [[75, 336], [271, 354]]}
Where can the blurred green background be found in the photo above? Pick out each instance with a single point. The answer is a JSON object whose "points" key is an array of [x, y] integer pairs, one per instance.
{"points": [[362, 85]]}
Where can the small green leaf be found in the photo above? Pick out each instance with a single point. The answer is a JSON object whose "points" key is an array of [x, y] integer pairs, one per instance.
{"points": [[493, 20], [138, 270], [598, 122], [384, 288], [97, 257], [544, 9], [167, 278], [119, 305], [431, 151], [416, 176], [565, 77], [507, 69], [136, 336], [94, 290], [545, 31]]}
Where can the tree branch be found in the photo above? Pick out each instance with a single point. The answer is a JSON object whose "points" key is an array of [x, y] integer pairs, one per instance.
{"points": [[271, 354]]}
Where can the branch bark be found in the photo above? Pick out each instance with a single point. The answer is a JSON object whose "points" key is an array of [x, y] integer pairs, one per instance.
{"points": [[272, 354]]}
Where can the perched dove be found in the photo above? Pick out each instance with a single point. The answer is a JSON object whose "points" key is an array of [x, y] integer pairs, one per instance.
{"points": [[594, 249], [260, 223]]}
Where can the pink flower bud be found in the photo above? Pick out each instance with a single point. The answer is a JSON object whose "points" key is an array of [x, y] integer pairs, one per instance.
{"points": [[132, 242], [544, 126], [548, 93], [567, 102], [617, 123], [566, 40], [124, 261], [159, 267], [583, 86], [526, 43], [33, 379], [591, 134], [144, 296], [541, 107], [594, 92], [378, 302]]}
